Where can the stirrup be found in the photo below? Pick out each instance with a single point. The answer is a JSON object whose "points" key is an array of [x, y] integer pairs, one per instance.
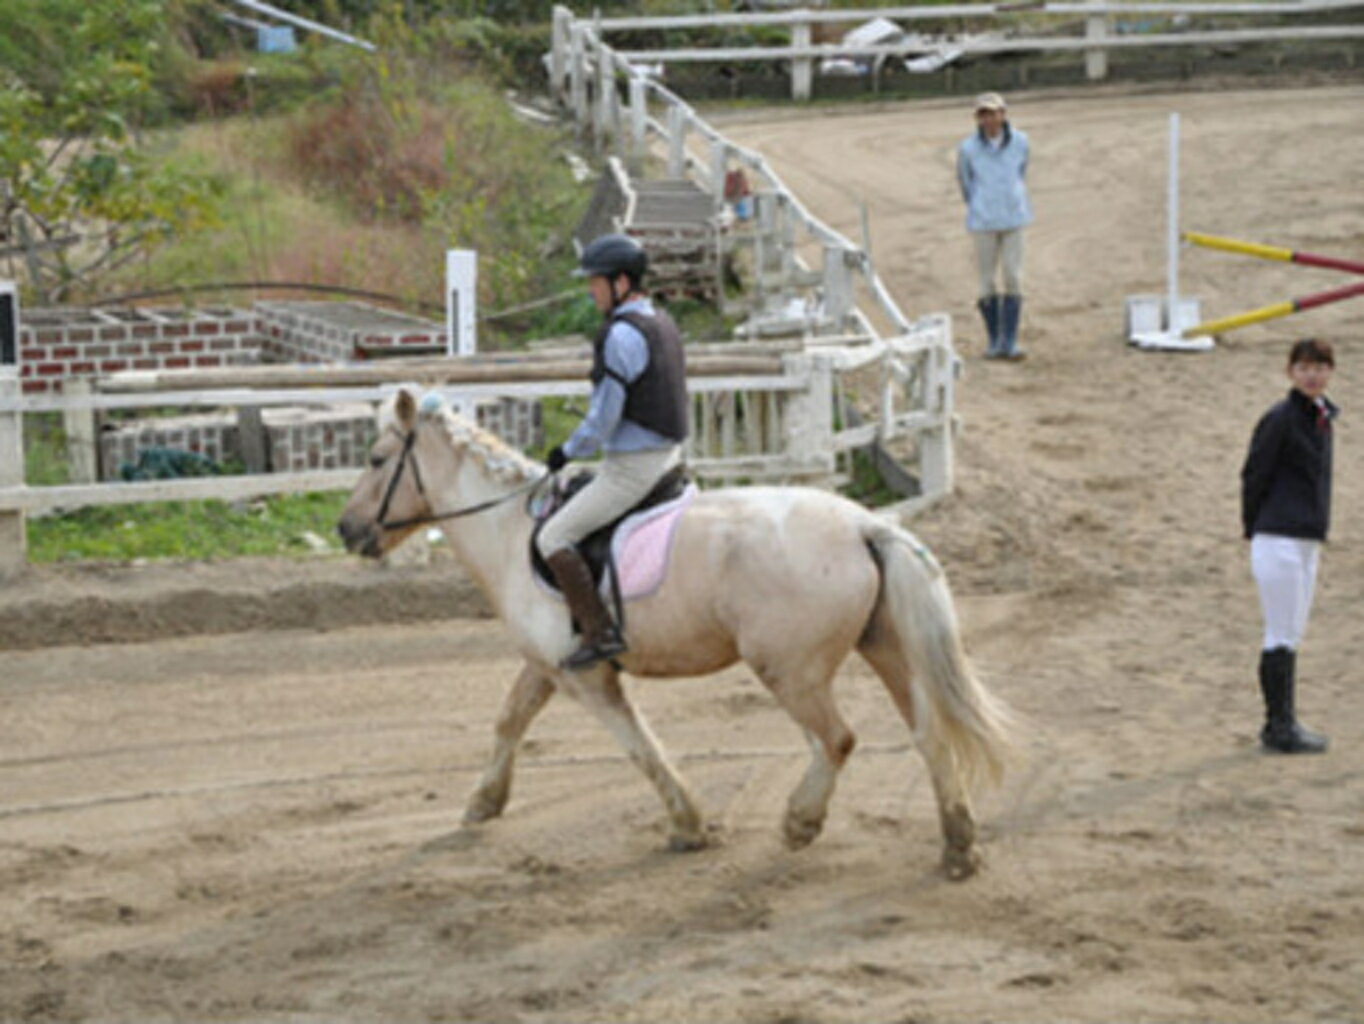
{"points": [[590, 654]]}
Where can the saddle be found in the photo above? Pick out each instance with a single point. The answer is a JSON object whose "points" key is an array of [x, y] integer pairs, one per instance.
{"points": [[595, 548]]}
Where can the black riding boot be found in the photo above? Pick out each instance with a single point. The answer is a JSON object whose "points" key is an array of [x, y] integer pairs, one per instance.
{"points": [[1282, 733], [601, 639]]}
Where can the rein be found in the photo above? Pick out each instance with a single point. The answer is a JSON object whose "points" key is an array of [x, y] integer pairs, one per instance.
{"points": [[406, 457]]}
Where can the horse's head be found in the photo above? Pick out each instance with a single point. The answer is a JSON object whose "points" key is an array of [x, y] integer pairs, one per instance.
{"points": [[389, 502]]}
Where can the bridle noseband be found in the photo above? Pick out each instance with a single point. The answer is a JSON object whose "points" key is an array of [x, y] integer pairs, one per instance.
{"points": [[405, 457]]}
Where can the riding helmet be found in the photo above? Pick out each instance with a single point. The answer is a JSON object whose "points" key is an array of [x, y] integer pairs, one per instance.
{"points": [[613, 255]]}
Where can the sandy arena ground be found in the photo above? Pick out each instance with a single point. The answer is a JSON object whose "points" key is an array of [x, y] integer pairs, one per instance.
{"points": [[265, 825]]}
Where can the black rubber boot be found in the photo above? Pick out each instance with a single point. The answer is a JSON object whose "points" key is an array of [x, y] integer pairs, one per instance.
{"points": [[601, 639], [1010, 311], [1282, 733], [989, 312]]}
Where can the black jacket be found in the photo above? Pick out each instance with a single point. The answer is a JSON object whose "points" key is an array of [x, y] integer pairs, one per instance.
{"points": [[1286, 479]]}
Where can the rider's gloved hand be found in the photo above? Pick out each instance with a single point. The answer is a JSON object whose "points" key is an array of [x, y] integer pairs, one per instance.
{"points": [[556, 460]]}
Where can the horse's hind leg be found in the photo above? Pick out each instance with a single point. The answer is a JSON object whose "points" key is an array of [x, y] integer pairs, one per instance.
{"points": [[600, 691], [807, 696], [960, 858], [531, 692]]}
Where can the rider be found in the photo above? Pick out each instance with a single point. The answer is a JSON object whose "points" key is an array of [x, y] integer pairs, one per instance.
{"points": [[637, 417]]}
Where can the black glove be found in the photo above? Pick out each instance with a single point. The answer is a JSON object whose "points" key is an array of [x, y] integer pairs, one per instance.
{"points": [[556, 459]]}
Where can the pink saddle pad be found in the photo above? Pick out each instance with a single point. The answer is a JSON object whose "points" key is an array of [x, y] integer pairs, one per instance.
{"points": [[642, 543]]}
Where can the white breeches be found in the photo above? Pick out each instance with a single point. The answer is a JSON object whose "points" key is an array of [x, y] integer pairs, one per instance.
{"points": [[622, 481], [1285, 570], [999, 251]]}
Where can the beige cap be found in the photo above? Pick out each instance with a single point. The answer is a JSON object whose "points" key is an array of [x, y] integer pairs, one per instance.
{"points": [[990, 101]]}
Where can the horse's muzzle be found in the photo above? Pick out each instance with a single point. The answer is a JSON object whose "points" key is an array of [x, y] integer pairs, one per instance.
{"points": [[361, 538]]}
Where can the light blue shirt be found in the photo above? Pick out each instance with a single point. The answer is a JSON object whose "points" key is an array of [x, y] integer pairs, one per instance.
{"points": [[626, 352], [993, 182]]}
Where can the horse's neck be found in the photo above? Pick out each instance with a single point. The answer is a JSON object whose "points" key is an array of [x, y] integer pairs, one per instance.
{"points": [[491, 544]]}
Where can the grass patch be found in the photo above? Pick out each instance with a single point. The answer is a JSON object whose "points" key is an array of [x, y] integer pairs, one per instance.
{"points": [[198, 530]]}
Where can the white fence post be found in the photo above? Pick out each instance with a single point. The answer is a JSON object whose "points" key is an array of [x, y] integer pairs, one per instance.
{"points": [[802, 68], [808, 438], [936, 469], [719, 166], [606, 95], [838, 288], [639, 114], [1096, 58], [559, 50], [13, 543], [577, 74], [82, 439], [13, 547], [677, 142]]}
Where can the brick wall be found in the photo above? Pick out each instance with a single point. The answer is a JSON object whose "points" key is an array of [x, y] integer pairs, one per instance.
{"points": [[297, 438], [331, 332], [58, 344], [213, 435]]}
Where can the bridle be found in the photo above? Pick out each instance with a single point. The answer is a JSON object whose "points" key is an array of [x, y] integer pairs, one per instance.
{"points": [[405, 458]]}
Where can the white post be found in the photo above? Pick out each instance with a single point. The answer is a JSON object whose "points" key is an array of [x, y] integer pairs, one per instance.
{"points": [[677, 142], [13, 553], [936, 468], [606, 94], [808, 438], [719, 166], [558, 50], [82, 438], [802, 68], [1096, 59], [639, 113], [577, 73], [461, 301], [838, 291]]}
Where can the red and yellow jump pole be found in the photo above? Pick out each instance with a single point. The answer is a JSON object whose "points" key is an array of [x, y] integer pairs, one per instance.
{"points": [[1277, 309], [1272, 252]]}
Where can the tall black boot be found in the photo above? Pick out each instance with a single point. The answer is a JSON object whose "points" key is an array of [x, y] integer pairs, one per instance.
{"points": [[601, 639], [989, 312], [1281, 732], [1010, 311]]}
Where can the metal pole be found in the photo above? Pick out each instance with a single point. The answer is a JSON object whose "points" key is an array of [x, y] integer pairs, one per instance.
{"points": [[1172, 232]]}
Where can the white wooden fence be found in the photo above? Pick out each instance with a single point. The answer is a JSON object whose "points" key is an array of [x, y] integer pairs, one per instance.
{"points": [[1098, 39], [763, 411], [808, 280]]}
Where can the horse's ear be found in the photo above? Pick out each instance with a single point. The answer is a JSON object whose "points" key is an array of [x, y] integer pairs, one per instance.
{"points": [[405, 409]]}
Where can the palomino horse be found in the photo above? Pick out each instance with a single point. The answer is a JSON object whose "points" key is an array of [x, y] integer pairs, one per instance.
{"points": [[788, 579]]}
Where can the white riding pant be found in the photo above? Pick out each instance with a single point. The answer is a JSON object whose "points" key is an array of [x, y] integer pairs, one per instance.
{"points": [[999, 251], [1285, 570], [622, 480]]}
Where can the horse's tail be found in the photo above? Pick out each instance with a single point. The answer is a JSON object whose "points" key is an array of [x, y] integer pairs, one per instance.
{"points": [[914, 628]]}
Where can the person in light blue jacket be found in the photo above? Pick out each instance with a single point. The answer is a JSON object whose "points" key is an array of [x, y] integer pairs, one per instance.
{"points": [[992, 170]]}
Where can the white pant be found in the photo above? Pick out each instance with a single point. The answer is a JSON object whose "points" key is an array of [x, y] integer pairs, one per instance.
{"points": [[622, 481], [999, 250], [1285, 570]]}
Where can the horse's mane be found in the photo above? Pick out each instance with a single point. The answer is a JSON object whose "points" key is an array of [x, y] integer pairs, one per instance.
{"points": [[501, 460]]}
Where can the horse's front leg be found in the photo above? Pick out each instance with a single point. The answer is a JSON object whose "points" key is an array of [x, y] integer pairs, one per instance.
{"points": [[600, 692], [530, 693]]}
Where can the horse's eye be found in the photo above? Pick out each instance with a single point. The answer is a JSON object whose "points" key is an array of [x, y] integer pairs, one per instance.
{"points": [[375, 461]]}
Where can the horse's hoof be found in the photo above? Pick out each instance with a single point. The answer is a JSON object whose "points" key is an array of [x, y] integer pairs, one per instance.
{"points": [[800, 834], [961, 864], [481, 809], [687, 843]]}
